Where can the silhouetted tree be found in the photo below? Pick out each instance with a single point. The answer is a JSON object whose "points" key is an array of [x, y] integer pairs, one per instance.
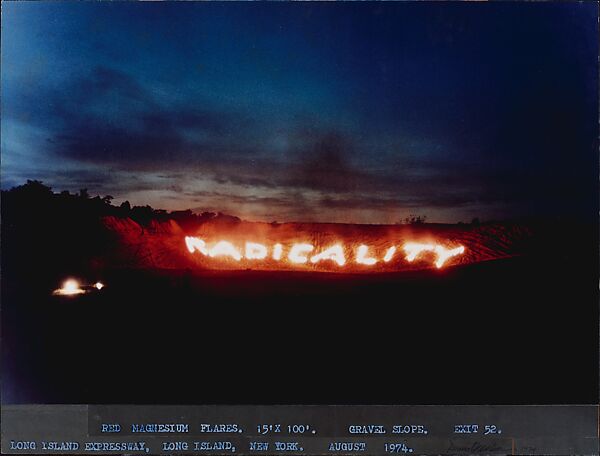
{"points": [[415, 219], [33, 188], [34, 201]]}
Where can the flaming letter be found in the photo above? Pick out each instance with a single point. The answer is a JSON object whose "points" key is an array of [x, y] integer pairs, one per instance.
{"points": [[389, 254], [335, 253], [69, 288], [298, 253], [224, 248], [255, 251], [277, 249], [443, 254], [193, 244], [413, 249], [361, 256]]}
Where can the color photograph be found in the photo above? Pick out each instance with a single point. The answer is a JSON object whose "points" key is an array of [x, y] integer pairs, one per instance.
{"points": [[299, 203]]}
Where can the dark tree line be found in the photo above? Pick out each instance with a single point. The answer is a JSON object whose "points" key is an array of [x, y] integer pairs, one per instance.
{"points": [[35, 199], [46, 231]]}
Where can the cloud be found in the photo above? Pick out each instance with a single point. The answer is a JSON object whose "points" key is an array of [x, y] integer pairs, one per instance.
{"points": [[104, 81], [122, 138], [109, 118]]}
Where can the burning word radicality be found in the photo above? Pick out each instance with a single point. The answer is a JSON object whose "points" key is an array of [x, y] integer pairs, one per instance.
{"points": [[302, 253]]}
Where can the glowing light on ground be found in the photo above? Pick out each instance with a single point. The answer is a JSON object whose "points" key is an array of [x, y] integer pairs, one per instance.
{"points": [[98, 285], [361, 256], [70, 287], [334, 253], [298, 253]]}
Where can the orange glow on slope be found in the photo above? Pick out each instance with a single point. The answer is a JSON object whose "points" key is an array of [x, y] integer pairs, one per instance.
{"points": [[361, 256], [334, 253]]}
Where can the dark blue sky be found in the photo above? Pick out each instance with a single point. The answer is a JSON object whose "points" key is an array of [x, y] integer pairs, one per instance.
{"points": [[362, 112]]}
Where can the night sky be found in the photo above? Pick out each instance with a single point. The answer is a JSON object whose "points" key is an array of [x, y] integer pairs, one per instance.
{"points": [[355, 112]]}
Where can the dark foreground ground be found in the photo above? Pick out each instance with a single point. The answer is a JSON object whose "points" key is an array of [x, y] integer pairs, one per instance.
{"points": [[521, 330]]}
